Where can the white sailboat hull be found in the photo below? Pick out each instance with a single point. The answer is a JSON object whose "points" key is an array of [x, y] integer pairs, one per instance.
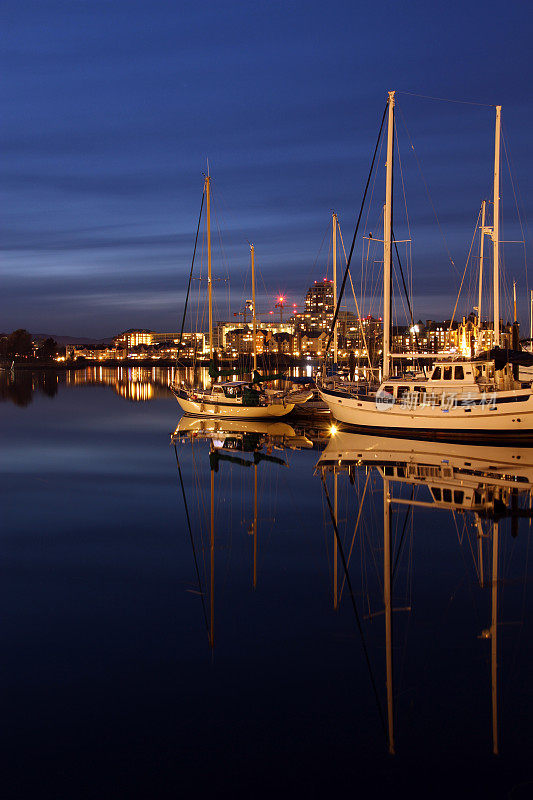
{"points": [[510, 416], [232, 410]]}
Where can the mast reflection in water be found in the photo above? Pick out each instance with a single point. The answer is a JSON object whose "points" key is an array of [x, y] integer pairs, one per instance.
{"points": [[187, 625], [482, 488], [245, 444]]}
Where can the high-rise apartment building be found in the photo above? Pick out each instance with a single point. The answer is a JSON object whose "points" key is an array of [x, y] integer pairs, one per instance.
{"points": [[319, 298]]}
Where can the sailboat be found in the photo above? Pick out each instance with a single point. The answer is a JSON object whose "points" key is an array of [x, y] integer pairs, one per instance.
{"points": [[233, 399], [466, 399]]}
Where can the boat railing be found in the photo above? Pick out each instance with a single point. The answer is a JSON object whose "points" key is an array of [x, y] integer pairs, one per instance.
{"points": [[351, 388]]}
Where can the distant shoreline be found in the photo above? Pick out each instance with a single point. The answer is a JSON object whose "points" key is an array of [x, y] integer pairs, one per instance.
{"points": [[277, 363]]}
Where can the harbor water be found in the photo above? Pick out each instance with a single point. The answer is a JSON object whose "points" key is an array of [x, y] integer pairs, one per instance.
{"points": [[207, 610]]}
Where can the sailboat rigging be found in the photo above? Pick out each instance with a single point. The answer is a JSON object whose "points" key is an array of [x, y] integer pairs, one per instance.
{"points": [[242, 399], [478, 398]]}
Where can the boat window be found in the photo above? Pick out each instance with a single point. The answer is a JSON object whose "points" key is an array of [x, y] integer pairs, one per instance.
{"points": [[233, 391], [447, 495], [402, 390], [389, 471], [458, 497], [400, 471], [459, 374], [436, 494], [447, 373], [389, 389], [436, 374], [217, 389]]}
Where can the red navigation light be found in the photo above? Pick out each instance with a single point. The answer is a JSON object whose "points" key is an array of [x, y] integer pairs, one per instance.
{"points": [[270, 312], [281, 298]]}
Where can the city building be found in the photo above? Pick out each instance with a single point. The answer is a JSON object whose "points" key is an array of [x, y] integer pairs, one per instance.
{"points": [[319, 309], [96, 352], [319, 298], [132, 337], [305, 334], [224, 329]]}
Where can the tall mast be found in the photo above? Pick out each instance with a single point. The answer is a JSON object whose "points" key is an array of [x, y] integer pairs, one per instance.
{"points": [[481, 248], [496, 228], [254, 321], [209, 278], [515, 319], [387, 243], [334, 248]]}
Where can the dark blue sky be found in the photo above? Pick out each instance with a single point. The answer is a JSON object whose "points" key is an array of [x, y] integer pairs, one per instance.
{"points": [[110, 110]]}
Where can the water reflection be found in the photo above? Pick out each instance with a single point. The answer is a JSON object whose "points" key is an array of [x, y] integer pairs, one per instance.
{"points": [[19, 387], [487, 491], [251, 436], [137, 384], [109, 623], [220, 440], [380, 495]]}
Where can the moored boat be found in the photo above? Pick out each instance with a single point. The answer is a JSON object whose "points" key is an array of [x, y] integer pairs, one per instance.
{"points": [[234, 399], [467, 399]]}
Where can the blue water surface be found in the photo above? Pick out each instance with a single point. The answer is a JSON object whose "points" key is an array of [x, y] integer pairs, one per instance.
{"points": [[111, 687]]}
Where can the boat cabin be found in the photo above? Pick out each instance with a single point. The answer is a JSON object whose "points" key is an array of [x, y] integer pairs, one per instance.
{"points": [[230, 389], [464, 376]]}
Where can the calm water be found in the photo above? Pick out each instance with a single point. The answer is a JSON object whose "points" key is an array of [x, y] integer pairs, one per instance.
{"points": [[140, 661]]}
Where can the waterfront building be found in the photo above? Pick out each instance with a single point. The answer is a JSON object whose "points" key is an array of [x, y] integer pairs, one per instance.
{"points": [[133, 337], [305, 334], [95, 352], [224, 329], [313, 344]]}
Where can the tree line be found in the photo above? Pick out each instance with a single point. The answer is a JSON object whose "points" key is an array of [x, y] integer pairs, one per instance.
{"points": [[19, 345]]}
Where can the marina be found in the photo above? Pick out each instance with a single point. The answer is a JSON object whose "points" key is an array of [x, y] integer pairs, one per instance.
{"points": [[312, 559], [266, 401]]}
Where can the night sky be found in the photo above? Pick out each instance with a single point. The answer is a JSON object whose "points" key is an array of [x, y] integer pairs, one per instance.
{"points": [[111, 109]]}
